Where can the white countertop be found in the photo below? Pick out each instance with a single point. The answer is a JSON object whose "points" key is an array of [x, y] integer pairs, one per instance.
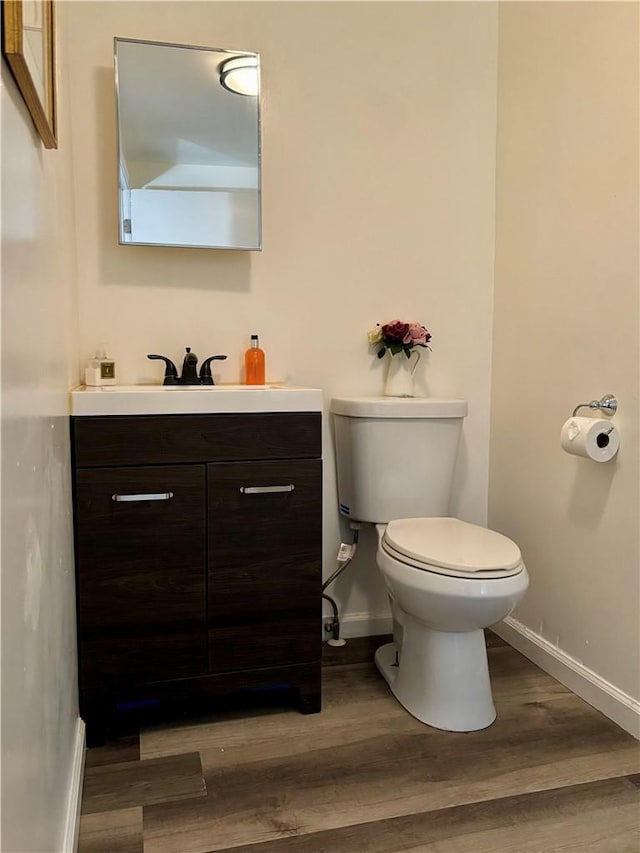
{"points": [[192, 399]]}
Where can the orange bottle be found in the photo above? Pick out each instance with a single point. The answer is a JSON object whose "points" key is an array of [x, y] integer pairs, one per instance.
{"points": [[254, 364]]}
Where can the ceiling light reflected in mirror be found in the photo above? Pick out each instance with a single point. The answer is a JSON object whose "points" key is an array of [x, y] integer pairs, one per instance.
{"points": [[240, 75]]}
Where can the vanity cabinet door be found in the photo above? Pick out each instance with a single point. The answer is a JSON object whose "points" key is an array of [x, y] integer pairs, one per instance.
{"points": [[265, 574], [141, 558]]}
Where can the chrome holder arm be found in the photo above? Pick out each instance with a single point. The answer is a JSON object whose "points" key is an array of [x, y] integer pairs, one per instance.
{"points": [[608, 405]]}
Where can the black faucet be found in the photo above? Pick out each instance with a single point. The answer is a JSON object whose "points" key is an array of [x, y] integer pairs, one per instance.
{"points": [[189, 374]]}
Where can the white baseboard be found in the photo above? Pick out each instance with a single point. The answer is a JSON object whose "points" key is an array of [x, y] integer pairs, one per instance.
{"points": [[74, 796], [365, 625], [618, 706]]}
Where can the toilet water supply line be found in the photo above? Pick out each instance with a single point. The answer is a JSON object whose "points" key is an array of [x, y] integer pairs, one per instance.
{"points": [[346, 553]]}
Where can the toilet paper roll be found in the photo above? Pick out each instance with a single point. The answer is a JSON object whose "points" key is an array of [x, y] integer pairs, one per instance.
{"points": [[590, 437]]}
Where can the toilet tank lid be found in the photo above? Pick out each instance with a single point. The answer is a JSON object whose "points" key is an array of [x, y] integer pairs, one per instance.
{"points": [[399, 407]]}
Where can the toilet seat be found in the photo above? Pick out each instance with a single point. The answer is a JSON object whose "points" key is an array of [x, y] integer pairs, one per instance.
{"points": [[449, 546]]}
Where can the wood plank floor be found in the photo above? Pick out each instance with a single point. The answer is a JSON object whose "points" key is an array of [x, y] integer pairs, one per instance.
{"points": [[551, 775]]}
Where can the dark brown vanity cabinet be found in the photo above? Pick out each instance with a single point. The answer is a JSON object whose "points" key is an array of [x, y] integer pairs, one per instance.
{"points": [[198, 558]]}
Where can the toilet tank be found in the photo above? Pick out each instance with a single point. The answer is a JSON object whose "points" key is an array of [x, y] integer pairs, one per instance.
{"points": [[395, 456]]}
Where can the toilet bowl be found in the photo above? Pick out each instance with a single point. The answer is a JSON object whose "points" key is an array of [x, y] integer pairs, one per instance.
{"points": [[447, 581]]}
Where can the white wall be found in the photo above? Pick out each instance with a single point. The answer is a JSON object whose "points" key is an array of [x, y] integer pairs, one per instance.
{"points": [[566, 331], [39, 355], [378, 202]]}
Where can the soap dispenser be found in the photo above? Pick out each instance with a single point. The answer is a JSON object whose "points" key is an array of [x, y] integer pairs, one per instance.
{"points": [[100, 369], [254, 364]]}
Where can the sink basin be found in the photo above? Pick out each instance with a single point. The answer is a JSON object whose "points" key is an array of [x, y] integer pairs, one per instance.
{"points": [[193, 399]]}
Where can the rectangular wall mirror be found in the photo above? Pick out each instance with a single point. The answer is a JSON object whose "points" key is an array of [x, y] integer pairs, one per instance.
{"points": [[188, 145]]}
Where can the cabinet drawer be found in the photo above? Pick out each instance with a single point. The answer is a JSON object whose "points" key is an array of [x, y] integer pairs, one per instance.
{"points": [[160, 439], [141, 573]]}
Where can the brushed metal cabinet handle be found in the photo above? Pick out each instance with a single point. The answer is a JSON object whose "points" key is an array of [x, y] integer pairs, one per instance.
{"points": [[159, 496], [265, 490]]}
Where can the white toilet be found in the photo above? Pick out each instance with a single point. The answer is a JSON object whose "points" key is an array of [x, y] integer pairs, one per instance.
{"points": [[447, 579]]}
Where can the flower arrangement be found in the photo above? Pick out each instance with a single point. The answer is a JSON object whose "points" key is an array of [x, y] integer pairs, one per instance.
{"points": [[398, 336]]}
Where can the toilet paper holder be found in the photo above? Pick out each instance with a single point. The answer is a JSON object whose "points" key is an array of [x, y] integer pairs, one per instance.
{"points": [[608, 405]]}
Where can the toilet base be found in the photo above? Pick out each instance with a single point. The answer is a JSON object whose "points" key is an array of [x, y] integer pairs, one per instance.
{"points": [[441, 678]]}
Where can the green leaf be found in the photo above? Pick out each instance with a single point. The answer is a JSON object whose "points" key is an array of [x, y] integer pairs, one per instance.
{"points": [[381, 352]]}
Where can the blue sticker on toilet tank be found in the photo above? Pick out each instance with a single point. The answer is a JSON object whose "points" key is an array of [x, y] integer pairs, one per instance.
{"points": [[346, 510]]}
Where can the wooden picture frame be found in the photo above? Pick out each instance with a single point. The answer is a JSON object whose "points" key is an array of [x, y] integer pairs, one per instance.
{"points": [[28, 44]]}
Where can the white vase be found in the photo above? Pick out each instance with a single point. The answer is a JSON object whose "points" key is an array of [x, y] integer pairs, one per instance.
{"points": [[400, 374]]}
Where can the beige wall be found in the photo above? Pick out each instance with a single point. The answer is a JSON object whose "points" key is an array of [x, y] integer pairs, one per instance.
{"points": [[39, 347], [566, 324], [378, 202]]}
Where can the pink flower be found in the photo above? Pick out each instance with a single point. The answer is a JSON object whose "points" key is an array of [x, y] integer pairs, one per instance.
{"points": [[417, 335]]}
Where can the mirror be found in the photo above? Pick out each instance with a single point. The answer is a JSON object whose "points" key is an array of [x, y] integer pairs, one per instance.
{"points": [[188, 145]]}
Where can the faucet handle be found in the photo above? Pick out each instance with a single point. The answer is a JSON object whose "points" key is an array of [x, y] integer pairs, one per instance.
{"points": [[205, 369], [170, 370]]}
